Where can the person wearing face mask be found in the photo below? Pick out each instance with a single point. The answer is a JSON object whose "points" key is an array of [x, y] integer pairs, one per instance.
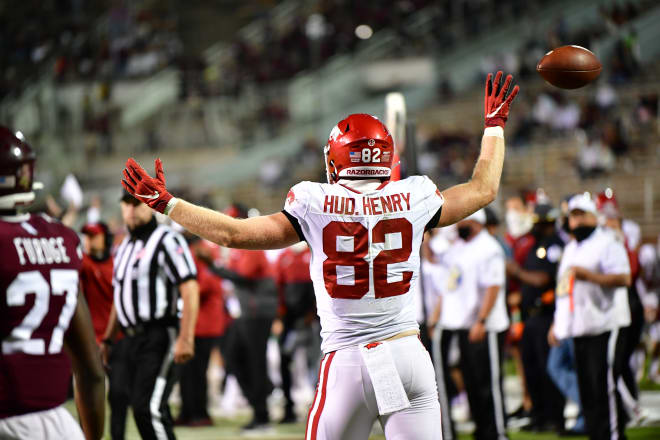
{"points": [[537, 284], [593, 267], [474, 310], [519, 224]]}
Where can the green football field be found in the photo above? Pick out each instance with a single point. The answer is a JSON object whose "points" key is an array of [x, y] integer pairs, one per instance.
{"points": [[229, 429]]}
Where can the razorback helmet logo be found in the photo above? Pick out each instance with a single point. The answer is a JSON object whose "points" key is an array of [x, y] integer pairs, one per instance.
{"points": [[359, 147]]}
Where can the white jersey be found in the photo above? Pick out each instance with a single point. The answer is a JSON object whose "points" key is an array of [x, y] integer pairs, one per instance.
{"points": [[582, 307], [472, 268], [365, 255]]}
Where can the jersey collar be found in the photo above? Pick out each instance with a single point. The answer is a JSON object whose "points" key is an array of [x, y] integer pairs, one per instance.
{"points": [[363, 186], [143, 232], [18, 218]]}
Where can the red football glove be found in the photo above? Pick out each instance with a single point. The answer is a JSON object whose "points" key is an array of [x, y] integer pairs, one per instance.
{"points": [[496, 108], [144, 187]]}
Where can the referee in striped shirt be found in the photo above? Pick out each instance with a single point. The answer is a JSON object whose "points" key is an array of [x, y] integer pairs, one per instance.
{"points": [[153, 268]]}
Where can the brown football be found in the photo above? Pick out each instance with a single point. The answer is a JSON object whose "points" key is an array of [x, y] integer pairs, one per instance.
{"points": [[569, 67]]}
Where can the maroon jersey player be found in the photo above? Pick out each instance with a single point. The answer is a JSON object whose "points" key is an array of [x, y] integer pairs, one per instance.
{"points": [[45, 328]]}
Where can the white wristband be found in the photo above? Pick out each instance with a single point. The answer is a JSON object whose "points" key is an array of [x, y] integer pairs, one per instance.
{"points": [[170, 205], [494, 131]]}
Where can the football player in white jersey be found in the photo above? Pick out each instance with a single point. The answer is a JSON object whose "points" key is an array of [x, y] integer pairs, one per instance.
{"points": [[365, 232]]}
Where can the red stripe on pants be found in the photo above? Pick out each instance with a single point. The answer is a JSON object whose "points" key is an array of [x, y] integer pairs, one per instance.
{"points": [[311, 408], [322, 388]]}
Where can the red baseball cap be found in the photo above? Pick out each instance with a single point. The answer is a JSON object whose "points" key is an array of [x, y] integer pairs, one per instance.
{"points": [[93, 229]]}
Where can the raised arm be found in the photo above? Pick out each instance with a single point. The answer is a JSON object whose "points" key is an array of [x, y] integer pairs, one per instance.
{"points": [[265, 232], [466, 198]]}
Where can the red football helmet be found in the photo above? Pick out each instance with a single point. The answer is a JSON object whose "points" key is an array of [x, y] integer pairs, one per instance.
{"points": [[359, 147], [16, 170]]}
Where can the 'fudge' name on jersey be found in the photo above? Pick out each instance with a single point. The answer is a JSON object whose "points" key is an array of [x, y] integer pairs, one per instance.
{"points": [[41, 250], [365, 254], [370, 205]]}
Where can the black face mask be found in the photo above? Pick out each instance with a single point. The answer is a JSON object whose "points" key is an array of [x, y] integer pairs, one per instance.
{"points": [[582, 232], [564, 225], [464, 232]]}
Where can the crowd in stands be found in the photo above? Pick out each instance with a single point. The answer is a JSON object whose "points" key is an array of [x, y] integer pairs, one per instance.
{"points": [[604, 129], [133, 40], [85, 40], [280, 52], [307, 41], [121, 39], [601, 129], [31, 34]]}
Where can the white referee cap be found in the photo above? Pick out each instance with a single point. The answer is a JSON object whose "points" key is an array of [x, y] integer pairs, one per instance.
{"points": [[478, 216], [583, 202]]}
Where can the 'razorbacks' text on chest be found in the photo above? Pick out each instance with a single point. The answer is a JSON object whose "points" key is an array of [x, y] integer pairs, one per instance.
{"points": [[370, 205]]}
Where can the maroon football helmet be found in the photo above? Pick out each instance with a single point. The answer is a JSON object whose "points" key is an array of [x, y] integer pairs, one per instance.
{"points": [[359, 147], [16, 170]]}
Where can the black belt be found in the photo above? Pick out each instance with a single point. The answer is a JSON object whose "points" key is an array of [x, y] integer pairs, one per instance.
{"points": [[140, 328]]}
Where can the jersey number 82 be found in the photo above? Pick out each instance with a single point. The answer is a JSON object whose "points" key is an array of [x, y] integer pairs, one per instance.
{"points": [[353, 257]]}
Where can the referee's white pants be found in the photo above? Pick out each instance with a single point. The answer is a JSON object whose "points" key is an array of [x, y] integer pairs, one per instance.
{"points": [[345, 406], [53, 424]]}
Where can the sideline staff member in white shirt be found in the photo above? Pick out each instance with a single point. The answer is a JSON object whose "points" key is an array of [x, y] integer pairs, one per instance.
{"points": [[593, 266], [473, 308]]}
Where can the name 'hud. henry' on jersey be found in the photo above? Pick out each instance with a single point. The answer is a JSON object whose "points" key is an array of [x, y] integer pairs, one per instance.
{"points": [[370, 205]]}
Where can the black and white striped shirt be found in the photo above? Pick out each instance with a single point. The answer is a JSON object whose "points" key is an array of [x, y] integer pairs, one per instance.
{"points": [[149, 265]]}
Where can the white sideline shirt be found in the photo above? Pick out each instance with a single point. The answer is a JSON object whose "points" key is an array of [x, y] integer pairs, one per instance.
{"points": [[473, 267], [433, 277], [584, 308]]}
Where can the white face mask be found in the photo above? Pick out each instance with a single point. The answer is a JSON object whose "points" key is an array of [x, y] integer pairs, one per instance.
{"points": [[518, 223]]}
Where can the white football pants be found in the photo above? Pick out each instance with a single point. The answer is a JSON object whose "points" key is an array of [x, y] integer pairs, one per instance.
{"points": [[345, 408], [52, 424]]}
